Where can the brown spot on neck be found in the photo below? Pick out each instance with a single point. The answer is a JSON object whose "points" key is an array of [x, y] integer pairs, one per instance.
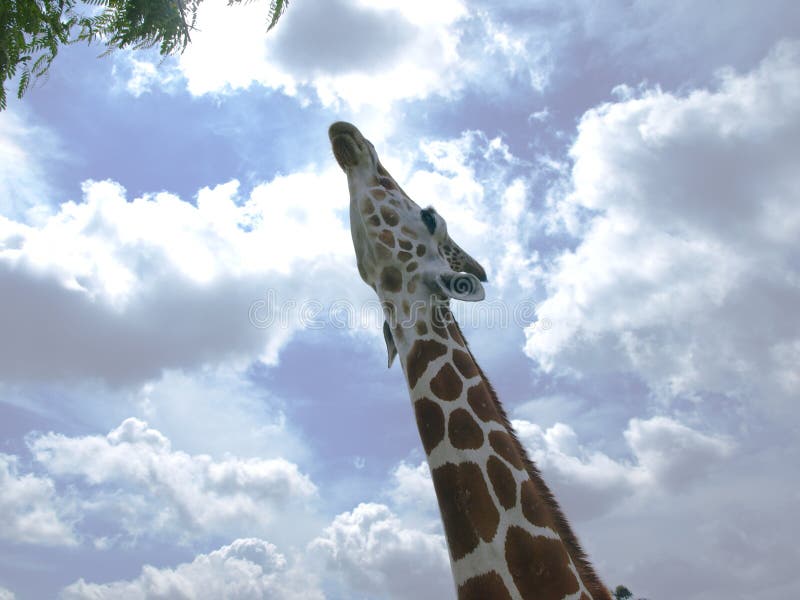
{"points": [[465, 364], [480, 400], [488, 586], [430, 422], [463, 431], [422, 353], [468, 512], [504, 446], [535, 507], [503, 482], [538, 565], [446, 384]]}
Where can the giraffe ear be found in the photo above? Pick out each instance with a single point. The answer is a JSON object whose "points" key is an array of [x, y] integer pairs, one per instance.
{"points": [[391, 349], [461, 286]]}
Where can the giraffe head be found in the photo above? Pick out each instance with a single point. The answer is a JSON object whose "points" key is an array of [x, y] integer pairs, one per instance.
{"points": [[403, 251]]}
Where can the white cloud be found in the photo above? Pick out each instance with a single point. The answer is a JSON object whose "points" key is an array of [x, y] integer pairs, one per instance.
{"points": [[365, 54], [6, 594], [165, 282], [412, 487], [29, 509], [151, 489], [373, 553], [686, 271], [668, 457], [247, 569], [229, 414], [23, 174], [138, 77]]}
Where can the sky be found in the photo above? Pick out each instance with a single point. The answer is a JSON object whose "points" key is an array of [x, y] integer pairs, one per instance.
{"points": [[194, 400]]}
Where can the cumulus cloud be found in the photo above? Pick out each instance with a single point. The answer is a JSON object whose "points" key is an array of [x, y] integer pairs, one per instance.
{"points": [[6, 594], [151, 489], [686, 270], [120, 289], [30, 512], [668, 457], [247, 569], [360, 53], [372, 552], [412, 487]]}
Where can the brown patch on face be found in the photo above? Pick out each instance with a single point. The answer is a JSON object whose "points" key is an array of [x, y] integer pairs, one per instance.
{"points": [[367, 207], [390, 216], [461, 536], [534, 507], [503, 482], [420, 356], [412, 285], [387, 183], [394, 203], [503, 444], [409, 232], [387, 237], [412, 266], [374, 220], [446, 384], [421, 250], [488, 586], [391, 279], [422, 329], [403, 256], [538, 565], [463, 431], [406, 307], [405, 244], [430, 422], [481, 401], [378, 194], [465, 364]]}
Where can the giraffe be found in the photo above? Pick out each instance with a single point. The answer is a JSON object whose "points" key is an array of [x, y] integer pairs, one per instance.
{"points": [[506, 535]]}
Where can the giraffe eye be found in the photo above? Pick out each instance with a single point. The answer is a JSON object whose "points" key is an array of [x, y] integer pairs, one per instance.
{"points": [[428, 219]]}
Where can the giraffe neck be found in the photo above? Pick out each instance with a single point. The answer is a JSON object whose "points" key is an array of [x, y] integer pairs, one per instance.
{"points": [[506, 535]]}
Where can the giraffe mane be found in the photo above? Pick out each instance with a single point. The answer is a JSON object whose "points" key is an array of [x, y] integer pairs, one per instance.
{"points": [[578, 556]]}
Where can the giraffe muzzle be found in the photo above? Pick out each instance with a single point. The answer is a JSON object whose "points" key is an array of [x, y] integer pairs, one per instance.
{"points": [[345, 151], [344, 139]]}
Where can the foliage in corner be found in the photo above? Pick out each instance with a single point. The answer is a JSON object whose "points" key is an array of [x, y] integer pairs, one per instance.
{"points": [[31, 31]]}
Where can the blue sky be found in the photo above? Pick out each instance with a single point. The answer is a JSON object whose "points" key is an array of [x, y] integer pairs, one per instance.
{"points": [[193, 393]]}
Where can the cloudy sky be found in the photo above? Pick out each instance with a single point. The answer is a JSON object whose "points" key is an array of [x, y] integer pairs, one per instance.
{"points": [[194, 400]]}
